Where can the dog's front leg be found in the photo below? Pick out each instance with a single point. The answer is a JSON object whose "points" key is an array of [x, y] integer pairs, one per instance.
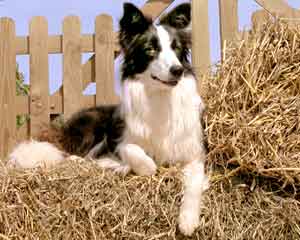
{"points": [[137, 159], [195, 182]]}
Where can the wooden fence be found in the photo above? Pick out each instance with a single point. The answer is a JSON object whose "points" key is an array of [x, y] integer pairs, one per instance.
{"points": [[39, 105]]}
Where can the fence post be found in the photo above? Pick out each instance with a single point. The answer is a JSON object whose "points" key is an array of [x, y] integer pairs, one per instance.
{"points": [[200, 37], [39, 75], [7, 86], [72, 81], [104, 61], [228, 22]]}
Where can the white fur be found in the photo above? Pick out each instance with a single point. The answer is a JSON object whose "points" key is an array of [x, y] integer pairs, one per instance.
{"points": [[195, 182], [166, 58], [136, 158], [113, 164], [32, 154], [166, 124]]}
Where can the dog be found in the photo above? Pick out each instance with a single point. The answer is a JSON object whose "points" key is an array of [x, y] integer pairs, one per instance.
{"points": [[157, 123]]}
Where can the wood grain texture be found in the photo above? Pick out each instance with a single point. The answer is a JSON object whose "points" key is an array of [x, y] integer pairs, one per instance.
{"points": [[104, 61], [7, 86], [55, 44], [229, 28], [154, 8], [39, 75], [23, 132], [200, 37], [56, 103], [72, 83]]}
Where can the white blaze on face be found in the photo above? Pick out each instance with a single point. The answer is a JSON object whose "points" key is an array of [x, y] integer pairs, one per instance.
{"points": [[167, 58]]}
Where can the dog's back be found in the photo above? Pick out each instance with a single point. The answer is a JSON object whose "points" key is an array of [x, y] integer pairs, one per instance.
{"points": [[90, 126], [86, 128]]}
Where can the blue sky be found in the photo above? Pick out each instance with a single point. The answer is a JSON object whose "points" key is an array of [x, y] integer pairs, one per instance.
{"points": [[87, 10]]}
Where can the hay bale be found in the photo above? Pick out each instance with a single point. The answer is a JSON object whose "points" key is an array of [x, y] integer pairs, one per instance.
{"points": [[80, 201], [253, 105]]}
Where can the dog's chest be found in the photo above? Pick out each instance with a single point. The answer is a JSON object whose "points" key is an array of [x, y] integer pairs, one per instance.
{"points": [[166, 126]]}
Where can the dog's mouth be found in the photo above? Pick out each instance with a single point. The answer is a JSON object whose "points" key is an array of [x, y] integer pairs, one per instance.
{"points": [[171, 83]]}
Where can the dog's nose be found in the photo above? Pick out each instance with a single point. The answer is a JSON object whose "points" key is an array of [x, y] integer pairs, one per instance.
{"points": [[176, 70]]}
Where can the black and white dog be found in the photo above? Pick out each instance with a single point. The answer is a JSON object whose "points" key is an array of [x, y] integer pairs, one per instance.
{"points": [[159, 119]]}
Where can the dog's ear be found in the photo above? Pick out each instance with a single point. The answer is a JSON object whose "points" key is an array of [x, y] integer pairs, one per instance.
{"points": [[179, 17], [133, 22]]}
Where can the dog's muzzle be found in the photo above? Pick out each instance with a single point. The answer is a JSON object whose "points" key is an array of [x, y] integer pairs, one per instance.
{"points": [[171, 83], [176, 72]]}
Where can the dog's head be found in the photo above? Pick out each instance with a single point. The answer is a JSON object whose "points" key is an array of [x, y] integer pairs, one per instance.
{"points": [[155, 53]]}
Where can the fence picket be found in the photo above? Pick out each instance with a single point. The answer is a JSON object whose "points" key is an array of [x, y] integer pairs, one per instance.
{"points": [[200, 37], [39, 75], [228, 10], [72, 83], [104, 61], [7, 86]]}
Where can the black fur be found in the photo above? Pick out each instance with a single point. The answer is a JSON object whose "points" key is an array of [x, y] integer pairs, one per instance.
{"points": [[179, 17], [138, 41], [90, 126], [180, 44], [144, 49], [132, 23]]}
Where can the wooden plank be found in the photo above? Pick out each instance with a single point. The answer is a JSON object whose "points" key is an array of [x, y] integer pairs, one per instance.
{"points": [[22, 104], [22, 132], [7, 86], [279, 8], [56, 103], [200, 37], [72, 83], [152, 8], [229, 26], [55, 44], [39, 75], [104, 61], [88, 71]]}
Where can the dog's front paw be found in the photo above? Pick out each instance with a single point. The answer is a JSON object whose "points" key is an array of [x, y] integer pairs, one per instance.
{"points": [[147, 167], [188, 222]]}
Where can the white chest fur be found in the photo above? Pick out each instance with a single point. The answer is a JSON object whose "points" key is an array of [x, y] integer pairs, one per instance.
{"points": [[165, 123]]}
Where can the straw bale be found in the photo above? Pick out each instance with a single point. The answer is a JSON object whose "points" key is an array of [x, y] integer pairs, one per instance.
{"points": [[77, 200], [253, 105]]}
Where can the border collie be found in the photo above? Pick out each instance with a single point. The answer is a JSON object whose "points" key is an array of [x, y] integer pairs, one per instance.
{"points": [[159, 119]]}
